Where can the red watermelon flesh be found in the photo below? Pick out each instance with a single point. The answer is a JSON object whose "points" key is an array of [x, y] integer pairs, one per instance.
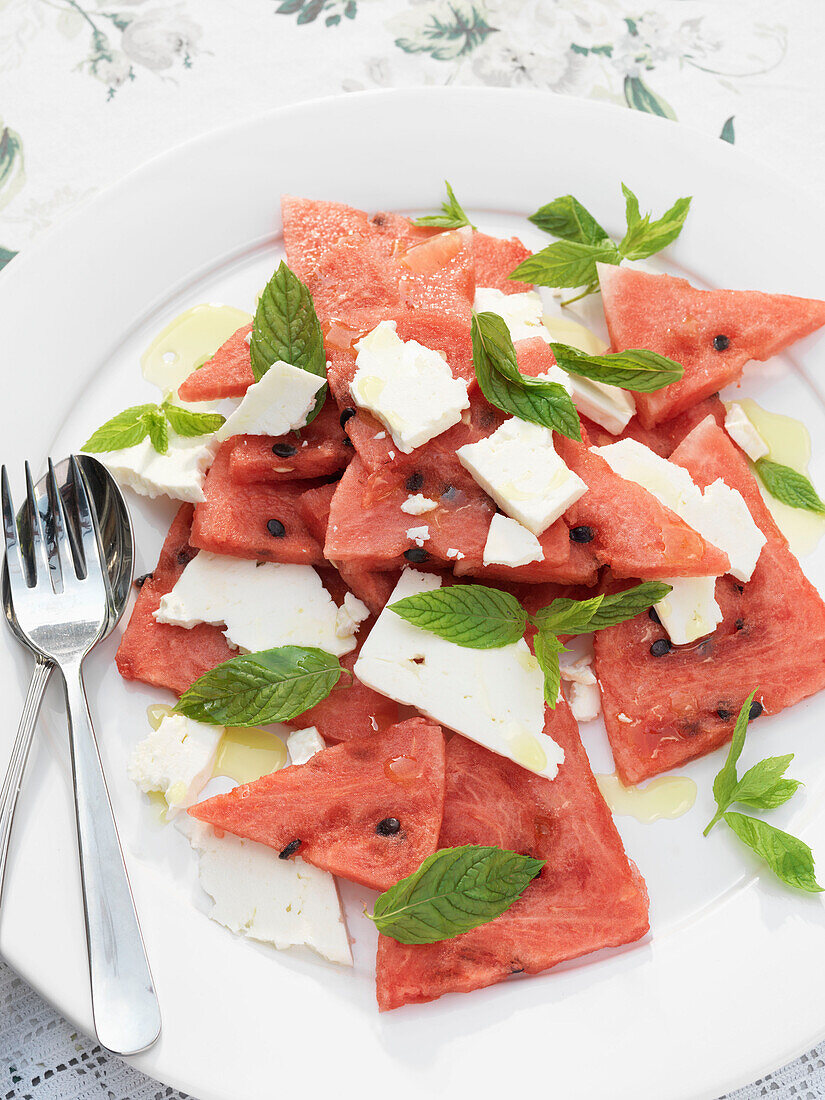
{"points": [[495, 258], [588, 895], [318, 450], [335, 801], [351, 710], [579, 568], [673, 318], [684, 704], [157, 653], [233, 519], [635, 534], [312, 228], [664, 438], [227, 374]]}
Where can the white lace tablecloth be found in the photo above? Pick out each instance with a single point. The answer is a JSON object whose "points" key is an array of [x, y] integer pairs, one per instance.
{"points": [[91, 88]]}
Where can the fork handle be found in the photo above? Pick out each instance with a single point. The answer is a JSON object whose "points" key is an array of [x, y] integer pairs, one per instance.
{"points": [[19, 755], [124, 1003]]}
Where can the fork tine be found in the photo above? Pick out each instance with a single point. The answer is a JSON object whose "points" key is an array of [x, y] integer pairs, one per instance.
{"points": [[39, 556], [59, 547], [14, 564], [87, 522]]}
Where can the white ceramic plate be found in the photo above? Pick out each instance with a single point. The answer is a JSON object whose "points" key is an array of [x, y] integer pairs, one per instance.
{"points": [[726, 987]]}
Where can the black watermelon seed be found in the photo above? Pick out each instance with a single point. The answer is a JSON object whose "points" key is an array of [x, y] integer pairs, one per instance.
{"points": [[388, 827], [582, 534], [416, 554], [283, 450], [276, 528], [415, 482], [346, 415], [721, 343], [379, 219], [653, 614], [660, 648], [755, 711], [140, 581], [724, 713], [185, 555], [740, 588], [290, 849], [348, 442], [739, 624]]}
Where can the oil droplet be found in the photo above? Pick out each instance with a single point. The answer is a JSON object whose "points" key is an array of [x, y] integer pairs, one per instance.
{"points": [[790, 443], [564, 331], [668, 797], [248, 752], [156, 712], [159, 804], [187, 342], [403, 769], [528, 752]]}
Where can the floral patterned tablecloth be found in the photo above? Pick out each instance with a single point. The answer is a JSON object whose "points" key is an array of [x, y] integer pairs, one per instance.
{"points": [[91, 88]]}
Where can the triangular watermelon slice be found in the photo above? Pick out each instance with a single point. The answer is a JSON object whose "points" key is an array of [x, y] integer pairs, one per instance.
{"points": [[260, 520], [495, 258], [588, 896], [158, 653], [227, 374], [712, 333], [664, 438], [335, 804], [318, 450], [663, 711], [312, 228], [351, 710]]}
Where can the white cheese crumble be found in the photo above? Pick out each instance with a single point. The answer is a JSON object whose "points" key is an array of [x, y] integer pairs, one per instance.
{"points": [[495, 696], [261, 604], [418, 535], [742, 431], [690, 610], [177, 474], [418, 504], [508, 543], [279, 403], [407, 386], [303, 744], [350, 615], [522, 313], [176, 759], [453, 553], [518, 467]]}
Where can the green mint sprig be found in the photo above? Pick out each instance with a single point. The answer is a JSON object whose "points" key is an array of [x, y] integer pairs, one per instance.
{"points": [[132, 426], [286, 328], [789, 486], [453, 891], [274, 685], [635, 369], [477, 617], [571, 261], [763, 787], [452, 214]]}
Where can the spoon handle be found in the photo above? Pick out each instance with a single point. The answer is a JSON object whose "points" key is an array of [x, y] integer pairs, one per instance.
{"points": [[19, 755]]}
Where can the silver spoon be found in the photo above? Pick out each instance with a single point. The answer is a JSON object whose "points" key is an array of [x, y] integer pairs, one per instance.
{"points": [[117, 537]]}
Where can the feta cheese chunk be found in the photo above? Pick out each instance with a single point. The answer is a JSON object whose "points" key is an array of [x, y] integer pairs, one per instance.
{"points": [[176, 759], [178, 474], [303, 744], [279, 403], [418, 535], [262, 605], [408, 387], [453, 553], [493, 696], [582, 688], [418, 504], [690, 611], [670, 484], [742, 431], [508, 543], [519, 468], [350, 615], [609, 406], [522, 313]]}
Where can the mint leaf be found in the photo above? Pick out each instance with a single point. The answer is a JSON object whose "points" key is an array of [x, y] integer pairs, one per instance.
{"points": [[127, 429], [760, 780], [469, 615], [158, 430], [789, 486], [727, 778], [565, 217], [620, 606], [635, 369], [452, 892], [567, 264], [565, 616], [452, 214], [790, 858], [187, 423], [286, 328], [496, 368], [274, 685], [643, 237], [547, 648]]}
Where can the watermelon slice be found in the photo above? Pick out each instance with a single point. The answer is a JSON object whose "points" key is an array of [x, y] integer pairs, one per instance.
{"points": [[227, 374], [664, 438], [313, 228], [318, 450], [663, 711], [495, 258], [670, 316], [351, 710], [634, 534], [335, 803], [588, 896], [259, 520], [157, 653]]}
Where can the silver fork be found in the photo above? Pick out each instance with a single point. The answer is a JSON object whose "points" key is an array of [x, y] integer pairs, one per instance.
{"points": [[63, 603]]}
